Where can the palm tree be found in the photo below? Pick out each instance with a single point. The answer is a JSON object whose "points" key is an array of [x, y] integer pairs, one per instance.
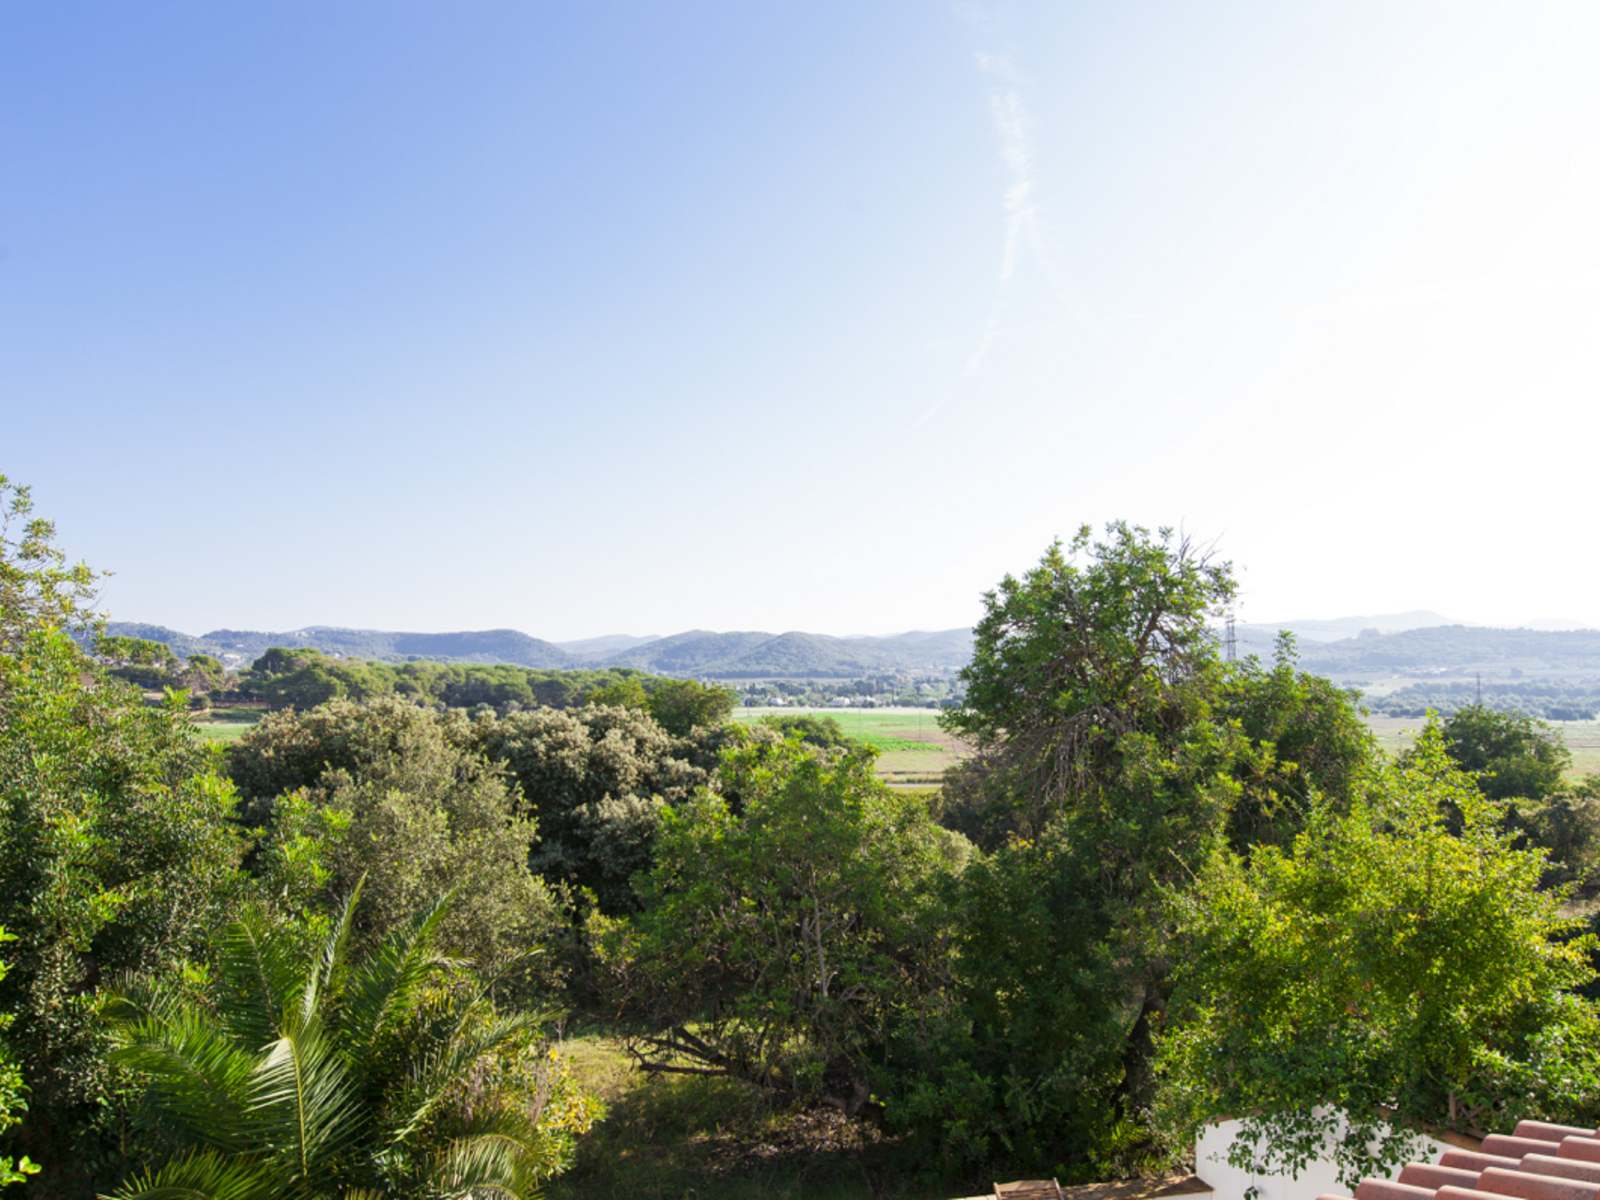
{"points": [[303, 1076]]}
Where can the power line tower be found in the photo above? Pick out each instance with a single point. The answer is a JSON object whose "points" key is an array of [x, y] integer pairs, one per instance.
{"points": [[1230, 642]]}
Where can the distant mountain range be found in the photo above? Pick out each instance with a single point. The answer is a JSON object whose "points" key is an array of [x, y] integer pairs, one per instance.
{"points": [[698, 652], [1335, 628], [1353, 649]]}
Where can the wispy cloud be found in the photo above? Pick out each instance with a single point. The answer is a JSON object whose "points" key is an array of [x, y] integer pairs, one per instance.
{"points": [[1012, 124]]}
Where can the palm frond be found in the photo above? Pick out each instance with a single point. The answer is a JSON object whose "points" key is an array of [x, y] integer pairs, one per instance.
{"points": [[434, 1076], [198, 1075], [203, 1175], [510, 1163], [387, 984], [257, 974], [303, 1100], [320, 981]]}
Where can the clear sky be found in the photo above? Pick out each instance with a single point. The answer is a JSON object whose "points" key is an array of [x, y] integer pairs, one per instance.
{"points": [[588, 318]]}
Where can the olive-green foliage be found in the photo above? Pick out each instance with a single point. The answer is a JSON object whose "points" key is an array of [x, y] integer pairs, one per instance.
{"points": [[1383, 966], [13, 1096], [299, 1073], [139, 661], [680, 706], [623, 693], [596, 779], [1521, 760], [1096, 662], [394, 793], [803, 944], [153, 665], [117, 851], [304, 678]]}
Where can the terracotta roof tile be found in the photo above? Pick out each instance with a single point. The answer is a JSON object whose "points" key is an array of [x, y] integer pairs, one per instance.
{"points": [[1548, 1132], [1569, 1168], [1476, 1160], [1515, 1147], [1538, 1161], [1434, 1175], [1530, 1186]]}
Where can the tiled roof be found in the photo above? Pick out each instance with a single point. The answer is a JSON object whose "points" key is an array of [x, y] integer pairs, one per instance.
{"points": [[1536, 1161]]}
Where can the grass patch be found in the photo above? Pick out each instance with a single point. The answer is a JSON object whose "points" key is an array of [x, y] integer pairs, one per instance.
{"points": [[681, 1137], [227, 723], [223, 731]]}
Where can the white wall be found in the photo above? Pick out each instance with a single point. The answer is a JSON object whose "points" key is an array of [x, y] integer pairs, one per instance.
{"points": [[1318, 1177]]}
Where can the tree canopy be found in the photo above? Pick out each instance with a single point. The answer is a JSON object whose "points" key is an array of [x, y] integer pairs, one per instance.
{"points": [[1384, 967]]}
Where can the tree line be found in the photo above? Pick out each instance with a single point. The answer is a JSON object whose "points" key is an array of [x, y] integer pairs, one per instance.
{"points": [[300, 677], [1164, 889]]}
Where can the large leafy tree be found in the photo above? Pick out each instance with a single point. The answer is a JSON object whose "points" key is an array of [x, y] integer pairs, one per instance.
{"points": [[1093, 701], [117, 850], [681, 706], [1380, 966], [596, 779], [800, 944], [1090, 673], [312, 1075], [117, 846], [1304, 737], [1510, 753], [391, 792]]}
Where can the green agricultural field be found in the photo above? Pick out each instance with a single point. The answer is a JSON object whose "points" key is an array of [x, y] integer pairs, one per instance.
{"points": [[227, 724], [912, 750]]}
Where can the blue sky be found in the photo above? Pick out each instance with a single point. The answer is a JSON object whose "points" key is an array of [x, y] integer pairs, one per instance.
{"points": [[626, 317]]}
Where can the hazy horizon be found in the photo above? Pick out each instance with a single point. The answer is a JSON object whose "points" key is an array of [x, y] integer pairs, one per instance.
{"points": [[820, 318], [1543, 625]]}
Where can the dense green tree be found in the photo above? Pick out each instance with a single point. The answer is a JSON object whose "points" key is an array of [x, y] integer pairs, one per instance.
{"points": [[1095, 663], [391, 792], [117, 850], [1567, 827], [203, 674], [13, 1097], [622, 693], [1031, 1067], [1306, 738], [799, 945], [312, 1075], [303, 678], [680, 706], [1380, 966], [813, 729], [1093, 700], [141, 662], [1510, 753], [596, 779]]}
